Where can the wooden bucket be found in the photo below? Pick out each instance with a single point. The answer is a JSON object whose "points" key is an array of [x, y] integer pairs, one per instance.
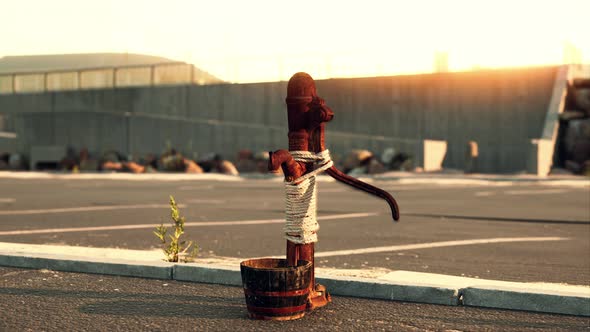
{"points": [[275, 291]]}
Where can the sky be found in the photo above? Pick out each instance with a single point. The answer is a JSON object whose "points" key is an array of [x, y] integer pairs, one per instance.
{"points": [[256, 40]]}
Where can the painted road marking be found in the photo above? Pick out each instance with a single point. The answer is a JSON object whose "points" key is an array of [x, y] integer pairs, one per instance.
{"points": [[7, 200], [333, 190], [188, 224], [362, 251], [534, 192], [522, 192], [84, 185], [86, 209], [206, 201], [188, 188]]}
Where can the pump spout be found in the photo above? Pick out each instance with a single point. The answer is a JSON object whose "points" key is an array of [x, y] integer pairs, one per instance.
{"points": [[360, 185]]}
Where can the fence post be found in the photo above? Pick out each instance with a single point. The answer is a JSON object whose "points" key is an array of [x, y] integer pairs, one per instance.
{"points": [[114, 77], [152, 75]]}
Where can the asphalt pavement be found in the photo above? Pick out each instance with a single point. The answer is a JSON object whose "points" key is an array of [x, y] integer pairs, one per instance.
{"points": [[44, 300], [509, 231]]}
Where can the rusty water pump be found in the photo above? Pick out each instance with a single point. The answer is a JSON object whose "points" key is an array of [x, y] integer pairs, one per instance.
{"points": [[285, 289]]}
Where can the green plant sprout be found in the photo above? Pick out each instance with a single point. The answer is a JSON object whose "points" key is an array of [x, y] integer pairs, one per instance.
{"points": [[176, 248]]}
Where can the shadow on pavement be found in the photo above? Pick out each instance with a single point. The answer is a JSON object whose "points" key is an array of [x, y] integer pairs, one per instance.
{"points": [[166, 305]]}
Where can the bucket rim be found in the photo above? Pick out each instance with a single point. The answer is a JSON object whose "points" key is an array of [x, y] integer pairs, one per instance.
{"points": [[306, 264]]}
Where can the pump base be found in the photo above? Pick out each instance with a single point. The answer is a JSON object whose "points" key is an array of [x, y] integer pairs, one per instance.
{"points": [[318, 297]]}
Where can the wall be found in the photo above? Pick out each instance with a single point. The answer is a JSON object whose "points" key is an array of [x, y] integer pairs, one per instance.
{"points": [[502, 110]]}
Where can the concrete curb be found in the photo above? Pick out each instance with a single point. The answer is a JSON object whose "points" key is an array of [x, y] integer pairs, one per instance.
{"points": [[385, 290], [529, 301], [156, 270], [211, 274], [397, 285]]}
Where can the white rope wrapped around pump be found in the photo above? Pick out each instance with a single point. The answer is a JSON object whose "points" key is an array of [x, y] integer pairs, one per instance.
{"points": [[301, 199]]}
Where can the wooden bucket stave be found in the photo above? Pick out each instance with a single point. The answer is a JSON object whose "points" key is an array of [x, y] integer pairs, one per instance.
{"points": [[275, 291]]}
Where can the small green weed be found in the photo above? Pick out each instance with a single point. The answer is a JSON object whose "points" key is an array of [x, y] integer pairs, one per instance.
{"points": [[176, 248]]}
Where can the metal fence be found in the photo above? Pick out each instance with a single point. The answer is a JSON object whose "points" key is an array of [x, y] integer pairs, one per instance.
{"points": [[171, 73]]}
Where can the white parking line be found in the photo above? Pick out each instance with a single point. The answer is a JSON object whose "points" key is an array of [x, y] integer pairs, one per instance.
{"points": [[535, 191], [435, 245], [188, 188], [522, 192], [86, 209], [206, 201], [333, 190], [7, 200], [188, 224], [84, 185]]}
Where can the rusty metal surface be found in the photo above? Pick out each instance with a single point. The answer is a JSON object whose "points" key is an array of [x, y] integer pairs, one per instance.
{"points": [[370, 189], [307, 114], [581, 83]]}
